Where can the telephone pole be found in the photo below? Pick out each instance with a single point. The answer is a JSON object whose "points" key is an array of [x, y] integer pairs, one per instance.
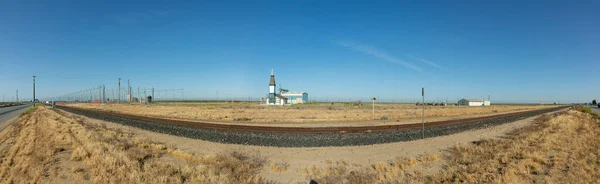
{"points": [[119, 92], [34, 90], [423, 115], [128, 91], [17, 95]]}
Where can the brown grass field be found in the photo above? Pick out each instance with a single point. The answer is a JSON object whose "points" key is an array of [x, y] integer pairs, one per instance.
{"points": [[249, 113], [559, 148], [46, 147]]}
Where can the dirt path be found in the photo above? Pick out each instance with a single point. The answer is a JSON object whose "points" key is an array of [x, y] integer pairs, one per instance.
{"points": [[297, 159]]}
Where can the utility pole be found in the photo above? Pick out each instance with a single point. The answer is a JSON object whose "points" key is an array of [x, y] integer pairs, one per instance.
{"points": [[33, 90], [423, 115], [119, 92], [128, 91], [217, 95], [17, 95], [139, 96], [103, 94]]}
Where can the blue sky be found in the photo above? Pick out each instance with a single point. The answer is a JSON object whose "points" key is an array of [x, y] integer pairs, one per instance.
{"points": [[512, 51]]}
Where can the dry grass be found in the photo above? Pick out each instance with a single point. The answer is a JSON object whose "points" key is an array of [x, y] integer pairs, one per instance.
{"points": [[254, 113], [46, 147], [279, 167], [400, 170], [562, 148]]}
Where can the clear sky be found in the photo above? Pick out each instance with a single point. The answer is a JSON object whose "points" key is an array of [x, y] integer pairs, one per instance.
{"points": [[510, 50]]}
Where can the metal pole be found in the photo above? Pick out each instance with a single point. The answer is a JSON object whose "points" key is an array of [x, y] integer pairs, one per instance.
{"points": [[139, 96], [33, 90], [423, 115], [128, 91], [152, 94], [119, 92], [103, 93], [17, 95]]}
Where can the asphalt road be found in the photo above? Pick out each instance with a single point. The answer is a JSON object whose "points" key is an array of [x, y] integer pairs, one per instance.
{"points": [[595, 108], [7, 113]]}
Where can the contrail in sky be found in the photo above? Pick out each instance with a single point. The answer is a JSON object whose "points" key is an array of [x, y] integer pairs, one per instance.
{"points": [[427, 62], [370, 50]]}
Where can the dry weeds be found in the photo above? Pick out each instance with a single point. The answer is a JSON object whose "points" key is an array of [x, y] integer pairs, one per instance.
{"points": [[254, 113], [46, 147], [561, 148], [279, 167]]}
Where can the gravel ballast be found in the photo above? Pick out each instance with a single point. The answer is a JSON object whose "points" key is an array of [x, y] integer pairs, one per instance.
{"points": [[305, 140]]}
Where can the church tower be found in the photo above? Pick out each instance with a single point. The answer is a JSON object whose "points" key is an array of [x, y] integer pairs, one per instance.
{"points": [[272, 88]]}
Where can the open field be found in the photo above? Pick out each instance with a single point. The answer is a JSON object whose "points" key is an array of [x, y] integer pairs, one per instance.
{"points": [[559, 148], [46, 147], [322, 114]]}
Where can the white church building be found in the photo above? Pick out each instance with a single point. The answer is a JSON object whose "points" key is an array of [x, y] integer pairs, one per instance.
{"points": [[283, 97]]}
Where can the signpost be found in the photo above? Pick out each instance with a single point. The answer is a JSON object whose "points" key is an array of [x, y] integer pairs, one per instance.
{"points": [[374, 105], [423, 115]]}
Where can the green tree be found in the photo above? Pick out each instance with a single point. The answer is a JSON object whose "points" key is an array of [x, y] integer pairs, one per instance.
{"points": [[594, 102]]}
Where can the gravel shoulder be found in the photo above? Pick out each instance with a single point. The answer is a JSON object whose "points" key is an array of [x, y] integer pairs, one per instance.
{"points": [[304, 157]]}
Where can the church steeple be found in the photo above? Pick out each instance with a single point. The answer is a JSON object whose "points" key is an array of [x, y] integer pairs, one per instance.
{"points": [[272, 82], [271, 97]]}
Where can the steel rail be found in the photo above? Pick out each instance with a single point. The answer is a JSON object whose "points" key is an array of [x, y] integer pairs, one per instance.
{"points": [[306, 130]]}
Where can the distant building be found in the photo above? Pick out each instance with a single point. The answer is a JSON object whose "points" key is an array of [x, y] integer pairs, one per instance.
{"points": [[473, 102], [296, 97], [283, 97], [271, 96]]}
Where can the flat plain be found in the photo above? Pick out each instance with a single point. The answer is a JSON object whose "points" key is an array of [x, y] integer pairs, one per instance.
{"points": [[52, 146], [320, 114]]}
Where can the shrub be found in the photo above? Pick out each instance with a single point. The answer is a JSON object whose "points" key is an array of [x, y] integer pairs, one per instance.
{"points": [[242, 119]]}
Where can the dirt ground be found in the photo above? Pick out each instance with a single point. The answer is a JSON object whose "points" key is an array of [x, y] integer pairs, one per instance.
{"points": [[44, 146], [50, 146], [313, 115], [295, 165]]}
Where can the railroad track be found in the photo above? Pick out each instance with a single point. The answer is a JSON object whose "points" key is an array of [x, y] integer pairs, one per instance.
{"points": [[303, 136], [301, 130]]}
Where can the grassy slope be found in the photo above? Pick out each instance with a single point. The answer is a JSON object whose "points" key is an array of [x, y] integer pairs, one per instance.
{"points": [[562, 148], [46, 147]]}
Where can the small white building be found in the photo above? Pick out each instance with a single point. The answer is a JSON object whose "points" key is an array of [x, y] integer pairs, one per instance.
{"points": [[295, 97], [473, 102], [279, 100], [283, 97]]}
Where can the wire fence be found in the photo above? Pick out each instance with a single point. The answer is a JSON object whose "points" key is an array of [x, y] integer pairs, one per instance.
{"points": [[101, 94], [126, 94]]}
